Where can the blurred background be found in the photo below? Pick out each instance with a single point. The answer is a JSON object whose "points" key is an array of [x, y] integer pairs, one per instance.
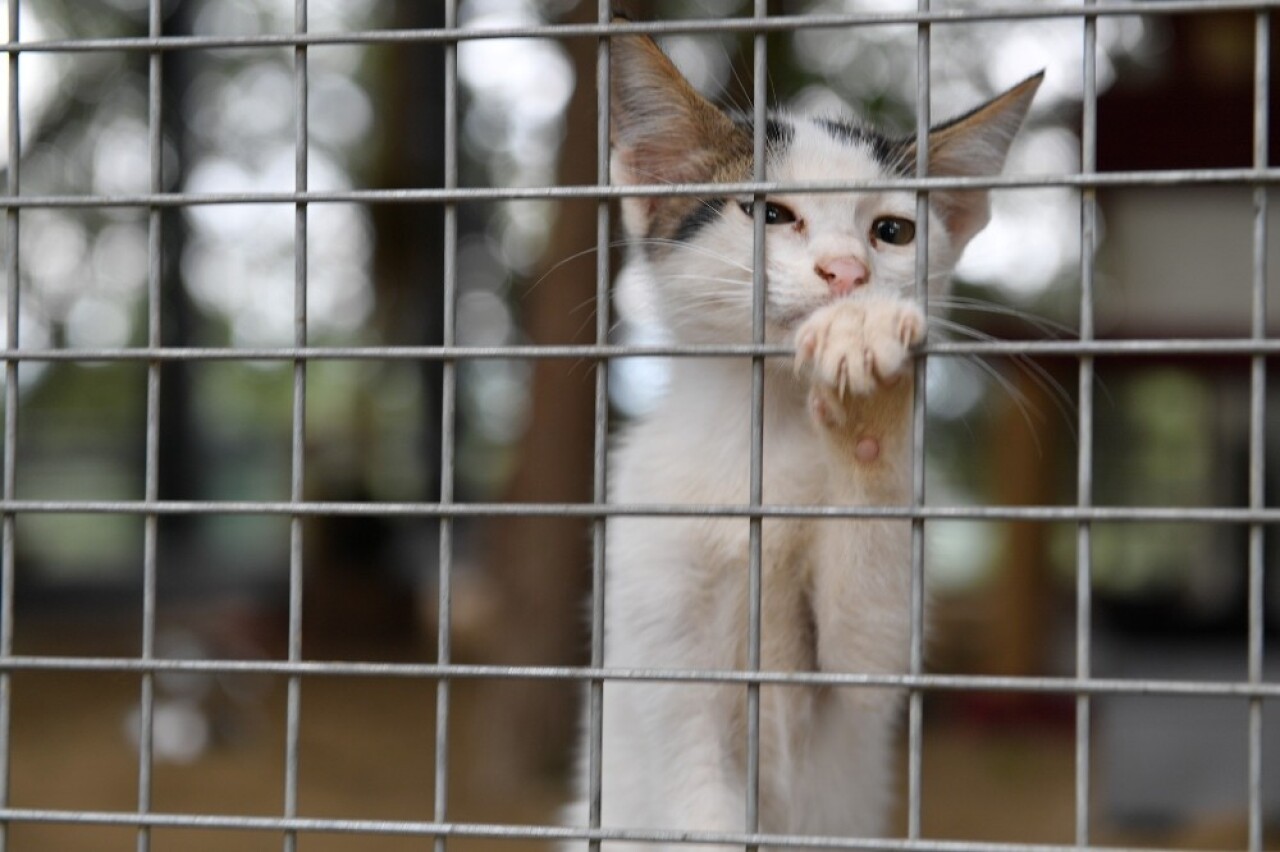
{"points": [[1174, 92]]}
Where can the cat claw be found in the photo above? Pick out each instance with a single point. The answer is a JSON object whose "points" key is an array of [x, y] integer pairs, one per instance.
{"points": [[855, 346], [808, 342], [828, 412]]}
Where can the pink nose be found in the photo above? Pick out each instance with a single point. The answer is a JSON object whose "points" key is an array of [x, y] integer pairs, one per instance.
{"points": [[842, 274]]}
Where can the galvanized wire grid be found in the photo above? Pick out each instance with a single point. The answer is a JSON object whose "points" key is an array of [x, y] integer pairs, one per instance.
{"points": [[1083, 685]]}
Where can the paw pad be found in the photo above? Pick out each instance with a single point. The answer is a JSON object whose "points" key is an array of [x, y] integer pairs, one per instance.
{"points": [[867, 450]]}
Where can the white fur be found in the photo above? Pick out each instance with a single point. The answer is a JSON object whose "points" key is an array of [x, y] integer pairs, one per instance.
{"points": [[836, 592], [703, 292]]}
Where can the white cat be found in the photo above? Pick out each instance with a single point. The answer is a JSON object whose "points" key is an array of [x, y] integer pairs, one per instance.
{"points": [[840, 287]]}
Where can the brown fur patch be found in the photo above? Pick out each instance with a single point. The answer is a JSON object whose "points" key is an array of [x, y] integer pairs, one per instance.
{"points": [[732, 166], [973, 145], [664, 132]]}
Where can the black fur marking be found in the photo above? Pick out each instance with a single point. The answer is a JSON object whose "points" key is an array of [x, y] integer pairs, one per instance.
{"points": [[702, 215], [778, 132], [843, 131], [888, 152]]}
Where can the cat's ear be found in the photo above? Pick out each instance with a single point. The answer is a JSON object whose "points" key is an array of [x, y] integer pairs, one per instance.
{"points": [[975, 145], [661, 129]]}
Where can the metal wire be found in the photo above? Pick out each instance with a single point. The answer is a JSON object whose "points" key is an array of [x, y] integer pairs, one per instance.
{"points": [[939, 683], [1069, 514], [373, 827], [1258, 425], [298, 431], [1084, 429], [600, 468], [448, 423], [1083, 686], [155, 287], [1039, 348], [915, 699], [1167, 177], [7, 545], [1227, 347], [755, 552], [771, 24]]}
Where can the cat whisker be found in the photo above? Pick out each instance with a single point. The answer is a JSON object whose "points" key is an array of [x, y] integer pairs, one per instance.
{"points": [[703, 250], [719, 279], [1035, 372], [613, 329], [612, 244], [743, 90], [1020, 401], [908, 291], [586, 303], [966, 303], [1061, 397], [1026, 408], [898, 163]]}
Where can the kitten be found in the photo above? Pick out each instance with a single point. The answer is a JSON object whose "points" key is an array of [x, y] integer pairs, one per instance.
{"points": [[840, 288]]}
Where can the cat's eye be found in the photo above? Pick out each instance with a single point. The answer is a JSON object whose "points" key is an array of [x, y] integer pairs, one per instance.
{"points": [[893, 230], [774, 214]]}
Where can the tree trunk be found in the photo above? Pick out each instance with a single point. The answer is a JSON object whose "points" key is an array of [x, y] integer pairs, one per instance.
{"points": [[182, 458], [541, 566], [352, 588]]}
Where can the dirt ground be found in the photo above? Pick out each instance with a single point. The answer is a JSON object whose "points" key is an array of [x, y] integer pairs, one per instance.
{"points": [[367, 752]]}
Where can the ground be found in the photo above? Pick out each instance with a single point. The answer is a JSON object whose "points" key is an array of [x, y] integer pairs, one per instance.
{"points": [[367, 750]]}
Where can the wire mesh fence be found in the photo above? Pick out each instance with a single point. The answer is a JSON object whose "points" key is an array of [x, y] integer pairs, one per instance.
{"points": [[301, 354]]}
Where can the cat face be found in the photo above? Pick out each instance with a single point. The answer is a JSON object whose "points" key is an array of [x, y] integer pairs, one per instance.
{"points": [[819, 246], [696, 253]]}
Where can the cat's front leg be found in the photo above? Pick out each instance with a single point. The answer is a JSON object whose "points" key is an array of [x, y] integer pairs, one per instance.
{"points": [[856, 353]]}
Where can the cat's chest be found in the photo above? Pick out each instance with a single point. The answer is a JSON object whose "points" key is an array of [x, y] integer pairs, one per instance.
{"points": [[698, 449]]}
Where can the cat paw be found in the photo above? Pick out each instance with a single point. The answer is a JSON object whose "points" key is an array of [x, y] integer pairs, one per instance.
{"points": [[852, 347]]}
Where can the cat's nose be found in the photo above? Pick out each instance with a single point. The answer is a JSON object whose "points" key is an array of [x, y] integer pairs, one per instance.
{"points": [[842, 274]]}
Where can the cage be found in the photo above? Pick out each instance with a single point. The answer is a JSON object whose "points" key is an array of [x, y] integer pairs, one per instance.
{"points": [[310, 329]]}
